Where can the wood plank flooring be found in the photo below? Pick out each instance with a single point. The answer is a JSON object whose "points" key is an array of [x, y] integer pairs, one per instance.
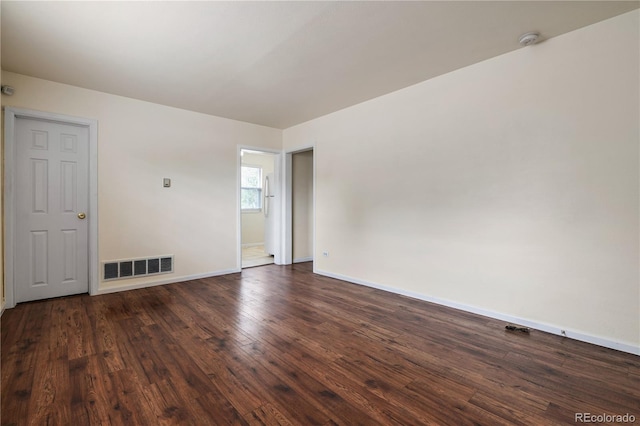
{"points": [[280, 345]]}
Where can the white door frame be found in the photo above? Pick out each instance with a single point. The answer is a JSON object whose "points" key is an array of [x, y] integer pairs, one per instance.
{"points": [[287, 204], [277, 167], [10, 116]]}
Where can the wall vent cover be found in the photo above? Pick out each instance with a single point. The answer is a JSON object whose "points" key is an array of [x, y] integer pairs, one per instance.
{"points": [[110, 270], [131, 268]]}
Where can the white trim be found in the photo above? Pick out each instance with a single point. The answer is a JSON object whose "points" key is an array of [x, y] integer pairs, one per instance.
{"points": [[277, 155], [11, 114], [548, 328], [287, 208], [116, 289], [313, 202], [303, 259]]}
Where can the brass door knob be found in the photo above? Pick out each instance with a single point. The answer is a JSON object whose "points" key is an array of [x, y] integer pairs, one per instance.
{"points": [[81, 215]]}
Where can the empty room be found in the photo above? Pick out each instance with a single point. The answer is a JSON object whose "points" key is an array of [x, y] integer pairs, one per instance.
{"points": [[320, 212]]}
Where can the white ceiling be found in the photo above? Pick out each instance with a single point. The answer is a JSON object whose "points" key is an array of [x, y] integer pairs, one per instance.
{"points": [[271, 63]]}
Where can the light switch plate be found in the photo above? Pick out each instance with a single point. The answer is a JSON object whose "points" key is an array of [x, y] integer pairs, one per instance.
{"points": [[166, 182]]}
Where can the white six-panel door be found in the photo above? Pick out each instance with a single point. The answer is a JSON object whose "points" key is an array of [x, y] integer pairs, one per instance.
{"points": [[51, 205]]}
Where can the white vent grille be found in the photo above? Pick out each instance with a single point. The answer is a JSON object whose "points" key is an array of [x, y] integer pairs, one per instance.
{"points": [[134, 268]]}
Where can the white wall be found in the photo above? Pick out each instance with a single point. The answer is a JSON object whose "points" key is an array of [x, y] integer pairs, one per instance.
{"points": [[139, 143], [509, 187], [253, 222], [302, 205]]}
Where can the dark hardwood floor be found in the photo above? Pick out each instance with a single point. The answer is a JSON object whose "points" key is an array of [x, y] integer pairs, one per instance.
{"points": [[280, 345]]}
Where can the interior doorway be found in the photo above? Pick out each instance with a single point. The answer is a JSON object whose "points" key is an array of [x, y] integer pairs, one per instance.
{"points": [[299, 229], [302, 206], [259, 208]]}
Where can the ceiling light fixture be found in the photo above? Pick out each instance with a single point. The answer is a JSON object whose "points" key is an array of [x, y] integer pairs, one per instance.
{"points": [[529, 38]]}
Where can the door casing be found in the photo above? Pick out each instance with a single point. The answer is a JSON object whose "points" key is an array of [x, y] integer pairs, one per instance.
{"points": [[10, 116]]}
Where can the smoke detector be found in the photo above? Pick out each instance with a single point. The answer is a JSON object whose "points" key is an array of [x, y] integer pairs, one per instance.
{"points": [[529, 38]]}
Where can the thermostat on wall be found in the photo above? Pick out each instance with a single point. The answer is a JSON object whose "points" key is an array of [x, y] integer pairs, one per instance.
{"points": [[166, 182]]}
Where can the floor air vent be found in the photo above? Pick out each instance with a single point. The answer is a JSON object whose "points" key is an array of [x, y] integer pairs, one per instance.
{"points": [[120, 269]]}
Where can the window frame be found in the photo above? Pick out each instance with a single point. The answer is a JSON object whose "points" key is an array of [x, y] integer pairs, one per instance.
{"points": [[259, 189]]}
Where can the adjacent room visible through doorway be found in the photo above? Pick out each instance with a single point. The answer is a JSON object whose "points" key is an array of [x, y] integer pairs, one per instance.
{"points": [[302, 213], [258, 197]]}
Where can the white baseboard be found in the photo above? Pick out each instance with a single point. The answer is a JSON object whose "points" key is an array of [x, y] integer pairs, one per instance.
{"points": [[115, 289], [303, 259], [548, 328]]}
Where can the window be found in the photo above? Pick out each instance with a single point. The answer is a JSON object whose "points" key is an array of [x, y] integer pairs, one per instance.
{"points": [[251, 188]]}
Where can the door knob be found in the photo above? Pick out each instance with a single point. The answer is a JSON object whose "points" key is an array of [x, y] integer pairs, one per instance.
{"points": [[81, 215]]}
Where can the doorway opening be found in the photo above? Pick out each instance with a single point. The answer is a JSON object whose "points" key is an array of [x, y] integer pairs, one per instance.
{"points": [[300, 207], [259, 208]]}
